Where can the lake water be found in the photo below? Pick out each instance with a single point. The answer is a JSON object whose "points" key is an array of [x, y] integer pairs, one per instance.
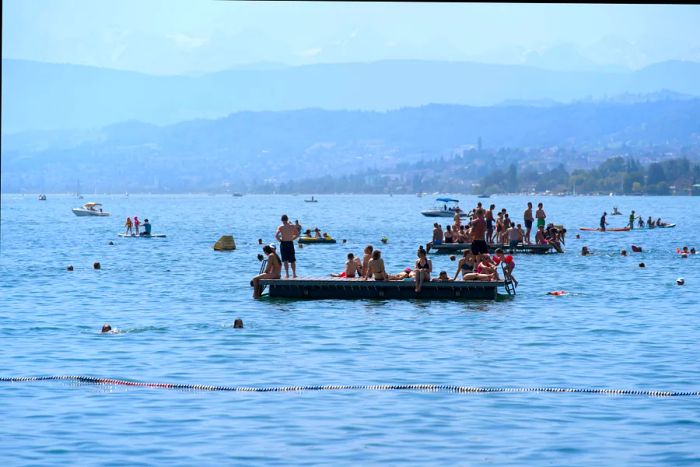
{"points": [[174, 301]]}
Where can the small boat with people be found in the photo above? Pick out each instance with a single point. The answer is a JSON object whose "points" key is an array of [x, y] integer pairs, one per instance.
{"points": [[312, 200], [90, 209], [308, 238], [615, 212], [444, 207], [42, 197]]}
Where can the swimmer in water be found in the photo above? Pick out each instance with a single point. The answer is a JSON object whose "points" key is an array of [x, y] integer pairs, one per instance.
{"points": [[443, 277], [238, 323], [106, 328], [585, 251]]}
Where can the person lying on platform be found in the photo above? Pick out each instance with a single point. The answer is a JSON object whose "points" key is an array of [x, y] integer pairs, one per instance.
{"points": [[273, 270], [443, 277], [403, 275], [375, 267], [465, 264], [475, 276]]}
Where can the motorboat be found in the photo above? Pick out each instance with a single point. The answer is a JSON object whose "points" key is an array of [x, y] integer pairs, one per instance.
{"points": [[42, 197], [312, 200], [90, 209], [237, 195], [444, 207]]}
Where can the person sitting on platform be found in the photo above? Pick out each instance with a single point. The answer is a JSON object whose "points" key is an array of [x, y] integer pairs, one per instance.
{"points": [[449, 238], [353, 267], [438, 236], [273, 270], [375, 267], [424, 267], [465, 264], [486, 266], [365, 259]]}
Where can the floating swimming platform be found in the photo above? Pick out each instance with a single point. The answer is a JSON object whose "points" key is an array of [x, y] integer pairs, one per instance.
{"points": [[142, 236], [354, 288], [311, 240], [521, 248]]}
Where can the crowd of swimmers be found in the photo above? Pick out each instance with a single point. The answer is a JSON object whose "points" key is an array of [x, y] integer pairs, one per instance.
{"points": [[133, 228], [500, 228]]}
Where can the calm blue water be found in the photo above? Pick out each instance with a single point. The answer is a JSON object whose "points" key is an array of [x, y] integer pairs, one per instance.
{"points": [[174, 301]]}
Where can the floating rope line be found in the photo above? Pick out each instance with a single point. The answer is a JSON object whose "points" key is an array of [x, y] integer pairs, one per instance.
{"points": [[378, 387]]}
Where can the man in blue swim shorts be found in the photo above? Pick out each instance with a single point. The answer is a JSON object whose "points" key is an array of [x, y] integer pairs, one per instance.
{"points": [[286, 234]]}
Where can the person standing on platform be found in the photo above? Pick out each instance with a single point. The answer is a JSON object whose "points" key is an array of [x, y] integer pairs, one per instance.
{"points": [[286, 234]]}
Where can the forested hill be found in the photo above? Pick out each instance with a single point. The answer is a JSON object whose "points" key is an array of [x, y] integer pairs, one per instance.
{"points": [[245, 148]]}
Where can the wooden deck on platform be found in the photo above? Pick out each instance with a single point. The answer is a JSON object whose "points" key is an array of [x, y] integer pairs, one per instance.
{"points": [[342, 288], [459, 247]]}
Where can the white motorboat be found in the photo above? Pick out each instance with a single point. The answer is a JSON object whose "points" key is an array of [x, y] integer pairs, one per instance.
{"points": [[90, 209], [444, 207]]}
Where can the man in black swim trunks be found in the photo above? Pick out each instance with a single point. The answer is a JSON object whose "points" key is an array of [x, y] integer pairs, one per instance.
{"points": [[478, 230], [286, 234]]}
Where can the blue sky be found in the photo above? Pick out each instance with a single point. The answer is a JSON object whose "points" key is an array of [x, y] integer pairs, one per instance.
{"points": [[188, 36]]}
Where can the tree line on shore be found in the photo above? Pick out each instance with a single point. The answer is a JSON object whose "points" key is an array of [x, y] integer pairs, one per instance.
{"points": [[619, 175]]}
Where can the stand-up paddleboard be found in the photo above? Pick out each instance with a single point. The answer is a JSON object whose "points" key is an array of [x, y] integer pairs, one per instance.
{"points": [[665, 226], [142, 236], [589, 229]]}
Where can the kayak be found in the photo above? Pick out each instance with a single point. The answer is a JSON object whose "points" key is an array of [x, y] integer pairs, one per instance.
{"points": [[142, 236], [666, 226], [316, 240], [621, 229]]}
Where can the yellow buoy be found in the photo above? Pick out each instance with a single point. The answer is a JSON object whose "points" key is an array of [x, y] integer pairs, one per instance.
{"points": [[225, 243]]}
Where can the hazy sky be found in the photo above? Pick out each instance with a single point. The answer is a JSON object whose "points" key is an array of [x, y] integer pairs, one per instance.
{"points": [[178, 36]]}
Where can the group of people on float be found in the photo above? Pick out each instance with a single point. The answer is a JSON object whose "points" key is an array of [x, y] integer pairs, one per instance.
{"points": [[132, 228], [650, 223], [501, 229], [476, 264]]}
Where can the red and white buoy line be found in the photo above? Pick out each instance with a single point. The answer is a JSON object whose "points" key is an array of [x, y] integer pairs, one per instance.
{"points": [[377, 387]]}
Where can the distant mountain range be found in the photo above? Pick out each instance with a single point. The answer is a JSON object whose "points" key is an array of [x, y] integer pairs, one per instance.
{"points": [[43, 96], [246, 148]]}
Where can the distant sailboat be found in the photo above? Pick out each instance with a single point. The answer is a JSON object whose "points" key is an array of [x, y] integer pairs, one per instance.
{"points": [[77, 191]]}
